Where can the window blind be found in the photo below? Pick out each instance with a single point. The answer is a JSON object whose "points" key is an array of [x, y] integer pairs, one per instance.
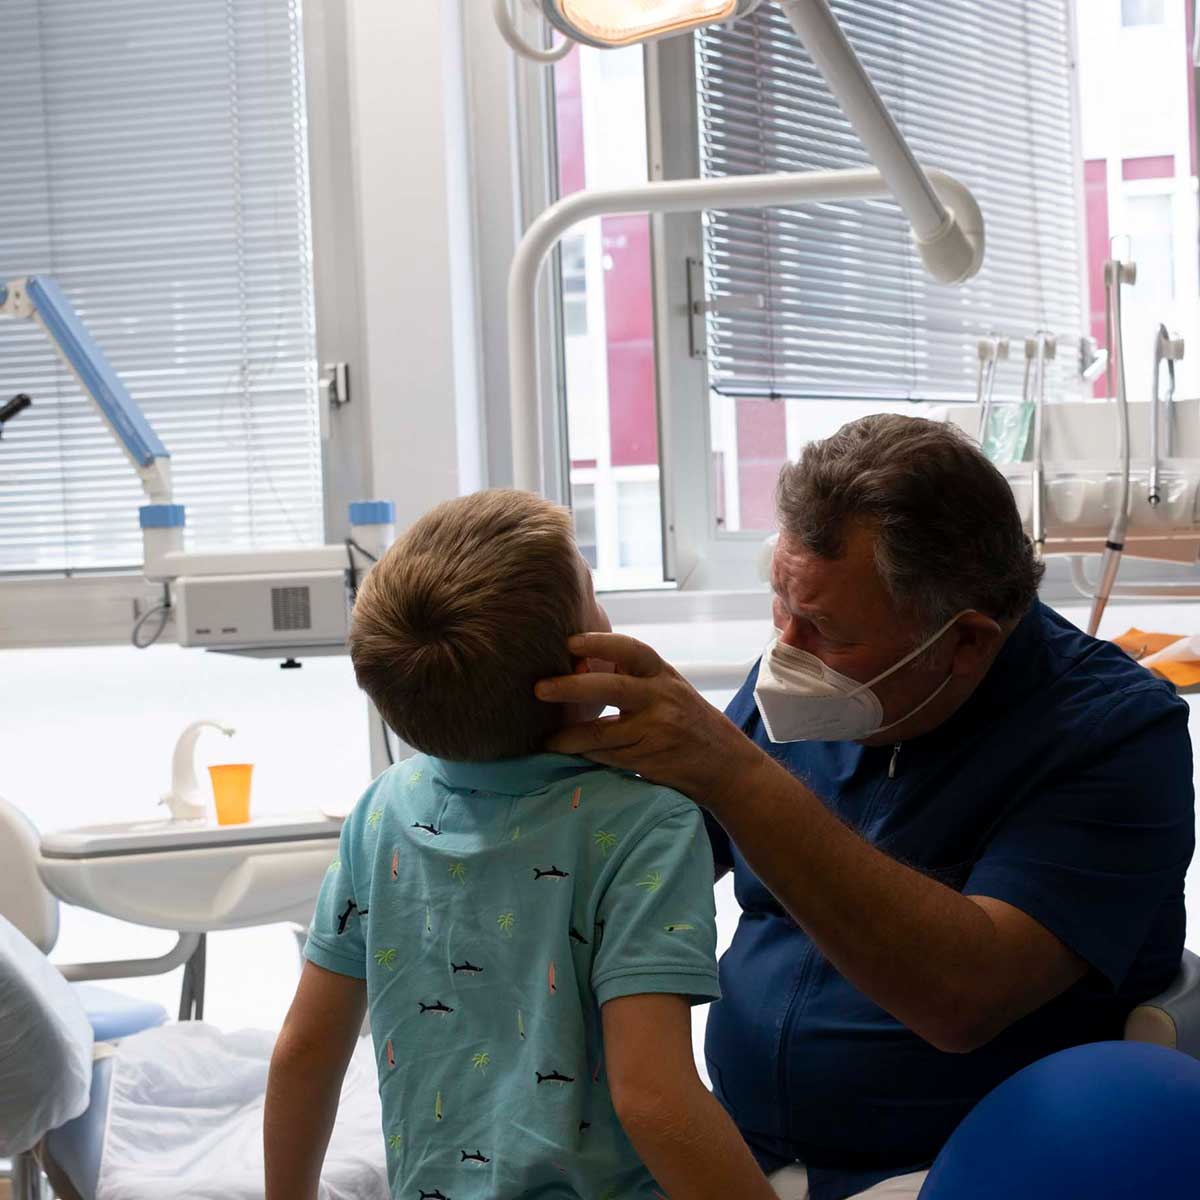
{"points": [[980, 90], [153, 161]]}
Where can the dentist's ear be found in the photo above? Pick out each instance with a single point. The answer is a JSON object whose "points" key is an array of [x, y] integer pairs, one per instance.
{"points": [[979, 637]]}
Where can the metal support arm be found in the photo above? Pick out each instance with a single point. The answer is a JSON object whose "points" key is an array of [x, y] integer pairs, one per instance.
{"points": [[689, 195], [134, 968], [43, 301]]}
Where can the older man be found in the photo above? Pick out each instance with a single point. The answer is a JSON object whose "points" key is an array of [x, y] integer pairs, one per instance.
{"points": [[958, 826]]}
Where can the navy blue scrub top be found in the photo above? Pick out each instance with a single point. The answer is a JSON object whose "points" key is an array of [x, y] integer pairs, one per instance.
{"points": [[1063, 787]]}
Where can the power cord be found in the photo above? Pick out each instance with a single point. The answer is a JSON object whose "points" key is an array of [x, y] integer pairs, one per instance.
{"points": [[163, 611], [352, 566]]}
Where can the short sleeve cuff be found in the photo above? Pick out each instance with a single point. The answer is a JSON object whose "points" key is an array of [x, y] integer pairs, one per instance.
{"points": [[1013, 885], [700, 987], [316, 951]]}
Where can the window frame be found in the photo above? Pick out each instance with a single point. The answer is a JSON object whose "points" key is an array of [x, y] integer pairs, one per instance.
{"points": [[697, 554]]}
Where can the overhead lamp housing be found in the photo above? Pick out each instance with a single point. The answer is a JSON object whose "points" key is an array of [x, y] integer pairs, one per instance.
{"points": [[612, 23]]}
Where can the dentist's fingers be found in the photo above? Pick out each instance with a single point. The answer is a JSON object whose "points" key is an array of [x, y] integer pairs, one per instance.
{"points": [[625, 692], [597, 738], [630, 656]]}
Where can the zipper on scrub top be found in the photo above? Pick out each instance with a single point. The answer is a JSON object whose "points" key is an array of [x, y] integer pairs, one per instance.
{"points": [[892, 764]]}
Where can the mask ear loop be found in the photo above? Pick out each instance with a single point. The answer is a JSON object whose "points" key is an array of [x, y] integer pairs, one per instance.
{"points": [[908, 716], [905, 661]]}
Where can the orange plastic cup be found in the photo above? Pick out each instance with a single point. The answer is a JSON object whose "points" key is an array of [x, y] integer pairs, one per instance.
{"points": [[231, 791]]}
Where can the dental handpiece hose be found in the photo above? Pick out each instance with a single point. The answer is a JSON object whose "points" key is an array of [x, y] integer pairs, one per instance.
{"points": [[1160, 339], [1115, 274], [1033, 389], [18, 404]]}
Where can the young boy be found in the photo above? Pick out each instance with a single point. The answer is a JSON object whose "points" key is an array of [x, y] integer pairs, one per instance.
{"points": [[526, 930]]}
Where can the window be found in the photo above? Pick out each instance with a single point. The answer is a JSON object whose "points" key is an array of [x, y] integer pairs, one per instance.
{"points": [[1142, 12], [1141, 178], [608, 332], [1151, 245], [156, 167], [851, 322]]}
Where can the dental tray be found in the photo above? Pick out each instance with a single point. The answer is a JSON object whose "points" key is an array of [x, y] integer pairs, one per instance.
{"points": [[157, 836]]}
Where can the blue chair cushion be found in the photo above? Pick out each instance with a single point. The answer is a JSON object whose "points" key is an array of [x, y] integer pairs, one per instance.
{"points": [[76, 1146], [115, 1016]]}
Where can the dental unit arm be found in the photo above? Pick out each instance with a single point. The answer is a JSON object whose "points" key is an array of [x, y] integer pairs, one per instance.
{"points": [[264, 602], [1116, 275], [1168, 349]]}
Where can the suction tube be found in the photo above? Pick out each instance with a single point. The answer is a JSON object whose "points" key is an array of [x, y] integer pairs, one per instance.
{"points": [[1116, 273]]}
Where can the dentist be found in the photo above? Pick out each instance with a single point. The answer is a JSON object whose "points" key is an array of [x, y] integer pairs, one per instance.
{"points": [[958, 826]]}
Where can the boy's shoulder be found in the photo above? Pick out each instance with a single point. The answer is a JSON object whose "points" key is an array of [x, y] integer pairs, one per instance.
{"points": [[386, 788], [635, 803]]}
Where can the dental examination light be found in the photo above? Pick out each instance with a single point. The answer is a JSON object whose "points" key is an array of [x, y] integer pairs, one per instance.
{"points": [[1116, 274], [508, 30], [609, 23], [946, 222]]}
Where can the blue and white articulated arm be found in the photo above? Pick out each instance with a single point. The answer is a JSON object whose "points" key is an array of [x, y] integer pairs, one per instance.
{"points": [[40, 299]]}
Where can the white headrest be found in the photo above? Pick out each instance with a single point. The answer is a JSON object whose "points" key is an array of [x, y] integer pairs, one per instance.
{"points": [[24, 898], [45, 1046]]}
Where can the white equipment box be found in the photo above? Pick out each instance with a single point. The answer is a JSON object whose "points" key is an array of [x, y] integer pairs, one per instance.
{"points": [[291, 610]]}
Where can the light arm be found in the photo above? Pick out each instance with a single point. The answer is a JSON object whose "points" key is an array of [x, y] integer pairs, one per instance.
{"points": [[674, 196], [43, 301]]}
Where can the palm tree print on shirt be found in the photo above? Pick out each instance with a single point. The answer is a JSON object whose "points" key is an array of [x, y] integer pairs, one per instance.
{"points": [[458, 872], [481, 1062], [375, 817], [386, 959], [652, 882], [395, 1141], [506, 921], [604, 840]]}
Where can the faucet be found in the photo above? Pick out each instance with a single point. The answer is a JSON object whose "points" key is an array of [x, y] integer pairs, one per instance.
{"points": [[185, 800]]}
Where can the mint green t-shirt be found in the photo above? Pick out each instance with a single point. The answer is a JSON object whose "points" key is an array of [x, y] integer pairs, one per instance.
{"points": [[492, 909]]}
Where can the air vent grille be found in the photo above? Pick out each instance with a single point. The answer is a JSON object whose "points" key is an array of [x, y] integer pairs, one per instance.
{"points": [[291, 608]]}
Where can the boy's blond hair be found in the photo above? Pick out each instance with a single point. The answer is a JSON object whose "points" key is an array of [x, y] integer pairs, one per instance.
{"points": [[460, 618]]}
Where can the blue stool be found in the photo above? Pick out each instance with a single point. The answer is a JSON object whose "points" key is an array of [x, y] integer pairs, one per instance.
{"points": [[1106, 1121]]}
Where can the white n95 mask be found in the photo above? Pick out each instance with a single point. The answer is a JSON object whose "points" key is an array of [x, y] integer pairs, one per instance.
{"points": [[802, 699]]}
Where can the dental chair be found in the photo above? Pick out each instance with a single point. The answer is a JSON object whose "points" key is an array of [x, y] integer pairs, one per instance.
{"points": [[175, 1110], [1171, 1019]]}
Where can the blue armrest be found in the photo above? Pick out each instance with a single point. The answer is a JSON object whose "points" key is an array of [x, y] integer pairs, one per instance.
{"points": [[1171, 1019]]}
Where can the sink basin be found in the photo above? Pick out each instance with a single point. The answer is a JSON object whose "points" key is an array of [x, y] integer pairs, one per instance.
{"points": [[193, 876]]}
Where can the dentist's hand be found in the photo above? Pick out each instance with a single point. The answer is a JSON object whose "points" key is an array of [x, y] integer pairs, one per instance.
{"points": [[666, 731]]}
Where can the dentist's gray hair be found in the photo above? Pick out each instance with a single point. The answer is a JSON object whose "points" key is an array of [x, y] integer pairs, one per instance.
{"points": [[948, 536]]}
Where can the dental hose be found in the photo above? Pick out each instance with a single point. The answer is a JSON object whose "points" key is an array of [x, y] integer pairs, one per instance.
{"points": [[1115, 274]]}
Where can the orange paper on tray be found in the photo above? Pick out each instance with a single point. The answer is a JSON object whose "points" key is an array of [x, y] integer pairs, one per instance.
{"points": [[1172, 656]]}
